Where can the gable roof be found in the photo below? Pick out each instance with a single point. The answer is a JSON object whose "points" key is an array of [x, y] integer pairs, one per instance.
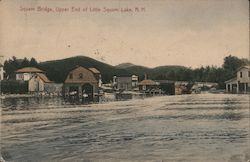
{"points": [[29, 70], [246, 67], [87, 76], [43, 77], [94, 70]]}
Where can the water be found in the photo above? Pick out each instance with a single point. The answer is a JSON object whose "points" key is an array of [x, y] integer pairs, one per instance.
{"points": [[197, 128]]}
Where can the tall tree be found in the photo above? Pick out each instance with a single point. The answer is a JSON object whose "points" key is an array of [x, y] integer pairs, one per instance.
{"points": [[33, 62], [25, 62], [232, 63]]}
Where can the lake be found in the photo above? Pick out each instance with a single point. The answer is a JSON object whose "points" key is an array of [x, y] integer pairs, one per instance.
{"points": [[197, 128]]}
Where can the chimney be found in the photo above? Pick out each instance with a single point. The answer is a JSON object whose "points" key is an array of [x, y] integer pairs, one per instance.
{"points": [[145, 76]]}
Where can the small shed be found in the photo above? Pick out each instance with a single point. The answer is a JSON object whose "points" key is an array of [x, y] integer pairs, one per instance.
{"points": [[38, 83]]}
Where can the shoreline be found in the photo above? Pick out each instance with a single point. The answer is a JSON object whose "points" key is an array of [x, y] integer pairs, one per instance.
{"points": [[4, 96], [24, 96]]}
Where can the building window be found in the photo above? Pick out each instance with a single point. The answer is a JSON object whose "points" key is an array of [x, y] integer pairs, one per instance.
{"points": [[249, 74], [70, 76], [80, 76], [241, 74]]}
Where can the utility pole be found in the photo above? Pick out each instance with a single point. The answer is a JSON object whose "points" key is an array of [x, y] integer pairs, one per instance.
{"points": [[1, 78], [1, 72]]}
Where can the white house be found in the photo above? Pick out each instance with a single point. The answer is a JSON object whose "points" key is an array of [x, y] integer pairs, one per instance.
{"points": [[135, 79], [37, 80], [241, 83], [26, 73], [125, 82]]}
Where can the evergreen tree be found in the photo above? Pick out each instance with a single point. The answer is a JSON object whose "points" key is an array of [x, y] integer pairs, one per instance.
{"points": [[25, 62], [33, 62]]}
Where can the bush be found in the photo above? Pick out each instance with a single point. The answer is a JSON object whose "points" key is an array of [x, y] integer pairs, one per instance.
{"points": [[14, 87]]}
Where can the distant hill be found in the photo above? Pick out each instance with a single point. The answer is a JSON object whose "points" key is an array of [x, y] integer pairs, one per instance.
{"points": [[124, 65], [160, 72], [57, 70]]}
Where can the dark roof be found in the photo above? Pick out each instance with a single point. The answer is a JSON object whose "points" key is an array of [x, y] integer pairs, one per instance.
{"points": [[87, 76], [29, 70]]}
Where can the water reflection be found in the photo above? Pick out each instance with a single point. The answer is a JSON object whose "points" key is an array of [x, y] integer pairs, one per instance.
{"points": [[169, 128], [27, 103]]}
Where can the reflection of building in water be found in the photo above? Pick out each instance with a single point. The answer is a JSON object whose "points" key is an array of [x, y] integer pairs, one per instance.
{"points": [[1, 67], [82, 83], [241, 83]]}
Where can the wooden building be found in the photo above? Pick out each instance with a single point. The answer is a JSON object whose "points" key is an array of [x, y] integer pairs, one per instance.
{"points": [[241, 83], [167, 86], [150, 87], [82, 83], [26, 73], [122, 83], [126, 83], [38, 83], [97, 75], [37, 80]]}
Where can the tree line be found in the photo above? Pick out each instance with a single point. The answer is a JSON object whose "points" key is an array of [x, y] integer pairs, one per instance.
{"points": [[180, 73], [13, 64], [208, 73]]}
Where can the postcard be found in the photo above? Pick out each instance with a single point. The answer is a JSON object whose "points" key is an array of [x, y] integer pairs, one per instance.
{"points": [[124, 81]]}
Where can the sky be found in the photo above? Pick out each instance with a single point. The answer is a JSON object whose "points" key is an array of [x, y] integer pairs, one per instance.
{"points": [[191, 33]]}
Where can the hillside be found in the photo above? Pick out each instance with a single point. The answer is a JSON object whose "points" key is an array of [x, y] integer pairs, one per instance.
{"points": [[124, 65], [57, 70]]}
